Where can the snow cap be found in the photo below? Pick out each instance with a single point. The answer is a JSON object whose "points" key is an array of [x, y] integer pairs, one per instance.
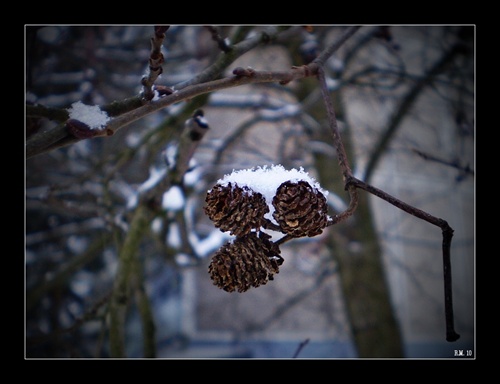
{"points": [[91, 115], [267, 179]]}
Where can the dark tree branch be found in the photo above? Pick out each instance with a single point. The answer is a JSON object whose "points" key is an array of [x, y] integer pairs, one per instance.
{"points": [[90, 315], [455, 163], [291, 301], [341, 153], [300, 347], [222, 43], [405, 105], [447, 232], [241, 77], [329, 51], [59, 137], [351, 184], [156, 60], [226, 59]]}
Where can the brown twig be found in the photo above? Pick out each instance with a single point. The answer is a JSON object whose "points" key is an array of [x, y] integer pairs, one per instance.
{"points": [[447, 232], [341, 153], [198, 85], [351, 184], [156, 60], [33, 148]]}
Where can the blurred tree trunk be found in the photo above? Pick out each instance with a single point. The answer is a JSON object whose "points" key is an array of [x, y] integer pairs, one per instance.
{"points": [[374, 328]]}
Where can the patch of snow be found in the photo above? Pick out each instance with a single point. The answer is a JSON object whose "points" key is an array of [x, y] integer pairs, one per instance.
{"points": [[173, 199], [266, 181], [155, 175], [174, 236], [91, 115], [209, 244]]}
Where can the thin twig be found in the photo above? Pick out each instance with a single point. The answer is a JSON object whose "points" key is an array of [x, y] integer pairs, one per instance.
{"points": [[329, 51], [447, 232], [300, 347], [407, 101], [198, 85], [291, 301], [90, 315], [351, 184], [222, 43], [341, 153], [466, 170], [33, 148], [156, 60]]}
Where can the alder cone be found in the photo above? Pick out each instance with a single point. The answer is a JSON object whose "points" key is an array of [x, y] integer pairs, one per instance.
{"points": [[248, 261], [300, 209], [235, 209]]}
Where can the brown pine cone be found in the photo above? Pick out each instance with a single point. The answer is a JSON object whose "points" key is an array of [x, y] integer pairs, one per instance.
{"points": [[235, 209], [248, 261], [300, 209]]}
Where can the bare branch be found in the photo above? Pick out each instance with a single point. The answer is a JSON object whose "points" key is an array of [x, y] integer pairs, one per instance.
{"points": [[37, 145], [351, 183], [222, 43], [194, 129], [226, 59], [122, 287], [300, 347], [91, 314], [186, 91], [341, 153], [447, 231], [406, 103], [328, 52], [156, 60], [465, 170]]}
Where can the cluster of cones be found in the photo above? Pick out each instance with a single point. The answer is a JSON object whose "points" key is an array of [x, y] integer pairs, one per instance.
{"points": [[251, 259]]}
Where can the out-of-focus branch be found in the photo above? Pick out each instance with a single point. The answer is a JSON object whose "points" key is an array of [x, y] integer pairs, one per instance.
{"points": [[122, 284], [330, 50], [290, 303], [145, 311], [466, 170], [222, 43], [194, 130], [225, 59], [91, 314], [406, 103], [61, 277], [128, 263]]}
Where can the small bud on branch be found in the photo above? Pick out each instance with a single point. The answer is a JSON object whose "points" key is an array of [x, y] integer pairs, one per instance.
{"points": [[81, 130]]}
